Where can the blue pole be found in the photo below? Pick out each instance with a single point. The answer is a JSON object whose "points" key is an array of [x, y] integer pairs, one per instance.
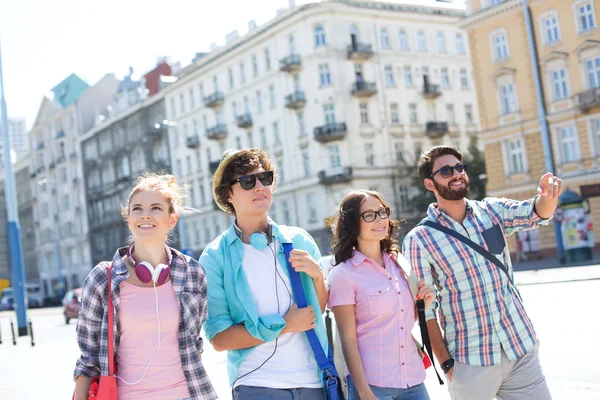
{"points": [[548, 160], [14, 231]]}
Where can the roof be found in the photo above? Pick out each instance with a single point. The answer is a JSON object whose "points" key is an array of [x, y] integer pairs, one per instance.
{"points": [[69, 90]]}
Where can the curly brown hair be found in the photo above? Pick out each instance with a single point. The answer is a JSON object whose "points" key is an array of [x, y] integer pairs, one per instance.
{"points": [[346, 226], [244, 162], [426, 160]]}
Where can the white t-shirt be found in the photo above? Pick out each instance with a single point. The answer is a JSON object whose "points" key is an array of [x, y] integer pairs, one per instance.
{"points": [[293, 365]]}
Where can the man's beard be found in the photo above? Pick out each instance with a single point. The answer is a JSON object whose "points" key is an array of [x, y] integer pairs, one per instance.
{"points": [[448, 193]]}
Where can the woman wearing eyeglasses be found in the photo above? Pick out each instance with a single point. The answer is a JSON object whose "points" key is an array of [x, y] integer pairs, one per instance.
{"points": [[251, 309], [373, 306]]}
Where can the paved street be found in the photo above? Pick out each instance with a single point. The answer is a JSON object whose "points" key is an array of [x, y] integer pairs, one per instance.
{"points": [[561, 303]]}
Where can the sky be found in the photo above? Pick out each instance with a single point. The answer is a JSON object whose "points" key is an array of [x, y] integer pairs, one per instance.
{"points": [[44, 41]]}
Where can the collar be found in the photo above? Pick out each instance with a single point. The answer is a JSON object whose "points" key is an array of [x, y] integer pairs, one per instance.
{"points": [[434, 212], [121, 258], [279, 233], [358, 258]]}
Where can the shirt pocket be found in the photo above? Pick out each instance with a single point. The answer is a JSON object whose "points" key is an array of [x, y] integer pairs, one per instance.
{"points": [[494, 239], [381, 299]]}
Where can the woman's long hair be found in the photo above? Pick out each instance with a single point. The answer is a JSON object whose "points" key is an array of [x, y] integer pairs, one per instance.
{"points": [[346, 226]]}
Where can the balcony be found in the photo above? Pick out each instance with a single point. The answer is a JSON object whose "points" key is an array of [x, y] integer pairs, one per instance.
{"points": [[52, 165], [193, 142], [61, 159], [40, 146], [335, 175], [41, 170], [330, 132], [33, 175], [364, 89], [296, 100], [360, 51], [588, 99], [73, 156], [76, 181], [213, 165], [431, 92], [244, 120], [78, 210], [435, 130], [217, 132], [214, 100], [60, 134], [290, 63]]}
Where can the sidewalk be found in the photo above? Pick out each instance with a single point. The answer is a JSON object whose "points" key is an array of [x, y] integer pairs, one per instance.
{"points": [[549, 270]]}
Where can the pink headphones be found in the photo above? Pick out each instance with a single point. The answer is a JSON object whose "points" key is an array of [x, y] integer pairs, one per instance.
{"points": [[147, 273]]}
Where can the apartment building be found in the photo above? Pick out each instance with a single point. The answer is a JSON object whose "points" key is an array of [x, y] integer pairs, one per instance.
{"points": [[61, 238], [568, 58], [341, 94]]}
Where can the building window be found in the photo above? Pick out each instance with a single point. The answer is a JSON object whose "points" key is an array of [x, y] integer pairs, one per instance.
{"points": [[242, 73], [597, 137], [267, 60], [399, 151], [385, 38], [441, 42], [65, 176], [334, 156], [464, 79], [324, 76], [460, 44], [301, 124], [201, 86], [450, 114], [259, 103], [364, 113], [254, 66], [263, 137], [412, 113], [500, 46], [238, 142], [216, 83], [369, 154], [403, 195], [182, 103], [234, 109], [509, 103], [312, 207], [272, 96], [389, 75], [275, 133], [550, 29], [320, 36], [569, 145], [585, 14], [394, 114], [516, 156], [559, 79], [445, 78], [403, 40], [286, 213], [231, 81], [329, 112], [192, 98], [421, 44], [593, 70], [306, 163], [408, 79]]}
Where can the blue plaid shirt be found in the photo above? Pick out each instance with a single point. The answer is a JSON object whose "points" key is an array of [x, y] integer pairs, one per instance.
{"points": [[189, 284], [480, 311]]}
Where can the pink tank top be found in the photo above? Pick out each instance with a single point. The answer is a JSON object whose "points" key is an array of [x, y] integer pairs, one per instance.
{"points": [[139, 342]]}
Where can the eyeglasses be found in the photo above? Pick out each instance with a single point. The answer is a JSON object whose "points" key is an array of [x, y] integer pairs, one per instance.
{"points": [[448, 170], [370, 216], [248, 182]]}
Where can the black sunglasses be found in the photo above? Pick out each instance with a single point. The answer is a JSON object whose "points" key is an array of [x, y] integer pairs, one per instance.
{"points": [[369, 216], [248, 182], [448, 170]]}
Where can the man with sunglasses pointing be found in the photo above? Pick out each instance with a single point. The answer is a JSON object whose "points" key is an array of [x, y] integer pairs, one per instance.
{"points": [[252, 312], [489, 348]]}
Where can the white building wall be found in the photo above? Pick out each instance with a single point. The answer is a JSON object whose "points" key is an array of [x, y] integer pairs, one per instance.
{"points": [[295, 188]]}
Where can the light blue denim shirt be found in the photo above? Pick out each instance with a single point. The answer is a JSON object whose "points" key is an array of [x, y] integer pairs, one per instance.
{"points": [[230, 300]]}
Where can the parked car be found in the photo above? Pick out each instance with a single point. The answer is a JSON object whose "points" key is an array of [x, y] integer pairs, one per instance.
{"points": [[71, 304], [34, 297]]}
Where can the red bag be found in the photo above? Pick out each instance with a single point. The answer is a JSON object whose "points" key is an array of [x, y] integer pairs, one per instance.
{"points": [[105, 387]]}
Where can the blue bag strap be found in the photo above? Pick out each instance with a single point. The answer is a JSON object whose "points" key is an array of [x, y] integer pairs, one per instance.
{"points": [[323, 361]]}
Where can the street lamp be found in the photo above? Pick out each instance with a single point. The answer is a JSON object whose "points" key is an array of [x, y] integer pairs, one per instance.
{"points": [[61, 283]]}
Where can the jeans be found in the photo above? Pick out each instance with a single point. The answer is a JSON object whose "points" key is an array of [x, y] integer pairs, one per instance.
{"points": [[244, 392], [417, 392]]}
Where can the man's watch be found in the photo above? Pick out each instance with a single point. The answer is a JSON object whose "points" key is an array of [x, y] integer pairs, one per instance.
{"points": [[447, 365]]}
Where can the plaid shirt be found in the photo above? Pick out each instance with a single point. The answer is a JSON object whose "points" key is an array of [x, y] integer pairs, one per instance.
{"points": [[189, 284], [480, 311]]}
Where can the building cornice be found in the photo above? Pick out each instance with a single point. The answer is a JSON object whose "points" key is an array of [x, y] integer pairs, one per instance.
{"points": [[485, 15]]}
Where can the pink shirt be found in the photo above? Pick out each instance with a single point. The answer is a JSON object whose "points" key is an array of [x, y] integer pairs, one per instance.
{"points": [[385, 316], [139, 341]]}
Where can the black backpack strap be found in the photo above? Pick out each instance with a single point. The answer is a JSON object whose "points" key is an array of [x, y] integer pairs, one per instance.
{"points": [[425, 336], [486, 254]]}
